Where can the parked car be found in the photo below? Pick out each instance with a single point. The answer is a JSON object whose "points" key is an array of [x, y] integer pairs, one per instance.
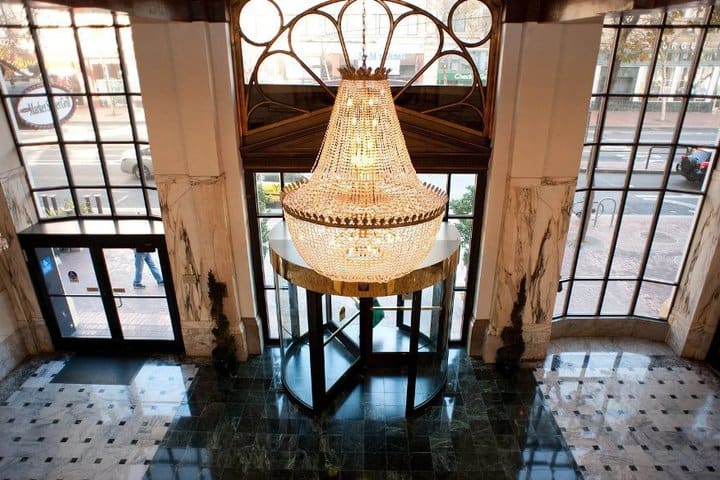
{"points": [[694, 165], [129, 164]]}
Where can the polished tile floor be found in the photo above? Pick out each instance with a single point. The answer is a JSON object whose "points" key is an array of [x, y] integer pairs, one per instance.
{"points": [[596, 411]]}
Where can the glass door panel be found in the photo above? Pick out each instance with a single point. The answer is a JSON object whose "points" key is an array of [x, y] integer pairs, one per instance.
{"points": [[69, 277], [341, 337], [138, 289]]}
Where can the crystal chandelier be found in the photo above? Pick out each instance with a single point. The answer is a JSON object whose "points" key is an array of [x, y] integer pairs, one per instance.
{"points": [[363, 215]]}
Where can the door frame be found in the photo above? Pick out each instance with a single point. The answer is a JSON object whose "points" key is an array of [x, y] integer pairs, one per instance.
{"points": [[95, 244]]}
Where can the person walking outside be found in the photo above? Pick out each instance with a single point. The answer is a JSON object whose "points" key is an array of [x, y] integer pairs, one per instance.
{"points": [[141, 258]]}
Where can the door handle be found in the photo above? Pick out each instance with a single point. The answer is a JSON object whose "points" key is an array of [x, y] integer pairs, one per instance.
{"points": [[92, 289], [119, 290]]}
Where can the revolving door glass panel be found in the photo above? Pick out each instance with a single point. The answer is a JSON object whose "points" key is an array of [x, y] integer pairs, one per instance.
{"points": [[341, 337], [319, 341], [392, 321], [434, 329], [291, 303]]}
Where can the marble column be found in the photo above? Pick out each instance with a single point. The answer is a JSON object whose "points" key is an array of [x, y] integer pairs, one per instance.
{"points": [[188, 93], [541, 112], [22, 326], [195, 217], [694, 317], [534, 233]]}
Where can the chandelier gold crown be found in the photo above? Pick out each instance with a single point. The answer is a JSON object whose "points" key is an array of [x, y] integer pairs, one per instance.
{"points": [[363, 215]]}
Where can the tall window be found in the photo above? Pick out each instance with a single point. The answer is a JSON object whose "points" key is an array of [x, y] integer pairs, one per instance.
{"points": [[70, 90], [443, 61], [650, 148]]}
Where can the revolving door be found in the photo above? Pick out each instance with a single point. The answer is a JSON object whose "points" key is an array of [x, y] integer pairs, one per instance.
{"points": [[330, 331]]}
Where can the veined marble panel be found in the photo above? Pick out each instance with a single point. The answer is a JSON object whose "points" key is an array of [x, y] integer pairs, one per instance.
{"points": [[18, 198], [12, 352], [194, 213], [694, 317], [534, 232], [13, 271]]}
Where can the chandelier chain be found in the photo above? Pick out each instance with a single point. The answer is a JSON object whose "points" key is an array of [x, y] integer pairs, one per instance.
{"points": [[364, 26]]}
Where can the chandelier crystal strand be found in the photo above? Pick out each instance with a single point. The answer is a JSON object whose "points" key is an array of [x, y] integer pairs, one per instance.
{"points": [[363, 215]]}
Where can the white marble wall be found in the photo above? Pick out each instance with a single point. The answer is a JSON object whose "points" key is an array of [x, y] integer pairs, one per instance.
{"points": [[695, 314], [195, 217]]}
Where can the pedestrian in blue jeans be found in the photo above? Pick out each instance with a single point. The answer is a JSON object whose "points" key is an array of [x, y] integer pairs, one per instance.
{"points": [[141, 258]]}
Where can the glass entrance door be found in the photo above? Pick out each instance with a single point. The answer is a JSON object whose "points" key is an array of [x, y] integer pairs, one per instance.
{"points": [[138, 292], [73, 292], [101, 297]]}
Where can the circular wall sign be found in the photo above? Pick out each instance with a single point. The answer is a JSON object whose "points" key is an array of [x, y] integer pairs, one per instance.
{"points": [[33, 109]]}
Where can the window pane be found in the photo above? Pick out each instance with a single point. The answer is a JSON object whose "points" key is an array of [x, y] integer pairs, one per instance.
{"points": [[646, 17], [267, 191], [621, 119], [139, 114], [573, 232], [699, 127], [112, 117], [582, 181], [122, 165], [61, 60], [462, 194], [154, 202], [267, 224], [44, 166], [687, 15], [464, 228], [93, 202], [602, 67], [456, 327], [691, 167], [611, 166], [129, 201], [661, 118], [54, 203], [20, 69], [706, 78], [618, 296], [632, 62], [84, 164], [52, 16], [77, 127], [675, 57], [649, 166], [584, 298], [272, 320], [129, 64], [654, 300], [633, 235], [675, 225], [101, 59], [597, 237], [12, 13], [91, 16], [596, 105]]}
